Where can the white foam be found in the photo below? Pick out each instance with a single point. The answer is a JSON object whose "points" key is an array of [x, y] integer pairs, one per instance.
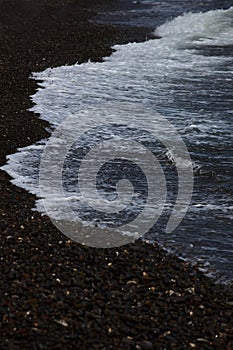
{"points": [[165, 75], [198, 29], [143, 73]]}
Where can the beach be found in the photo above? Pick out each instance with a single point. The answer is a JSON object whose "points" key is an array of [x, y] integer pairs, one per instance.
{"points": [[55, 293]]}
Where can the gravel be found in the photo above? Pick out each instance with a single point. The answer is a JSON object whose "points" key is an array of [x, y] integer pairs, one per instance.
{"points": [[55, 293]]}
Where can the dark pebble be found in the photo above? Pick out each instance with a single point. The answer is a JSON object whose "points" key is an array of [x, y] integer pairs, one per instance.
{"points": [[146, 345]]}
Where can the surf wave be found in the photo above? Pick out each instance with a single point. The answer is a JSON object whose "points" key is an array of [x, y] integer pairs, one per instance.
{"points": [[210, 28], [177, 76]]}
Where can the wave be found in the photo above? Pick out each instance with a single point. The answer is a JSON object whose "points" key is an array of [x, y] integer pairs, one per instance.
{"points": [[210, 28], [186, 76]]}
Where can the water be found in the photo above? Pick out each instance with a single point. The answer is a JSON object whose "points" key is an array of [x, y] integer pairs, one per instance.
{"points": [[187, 77], [153, 13]]}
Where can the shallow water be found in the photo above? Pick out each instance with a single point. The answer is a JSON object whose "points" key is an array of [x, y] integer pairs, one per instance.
{"points": [[187, 77]]}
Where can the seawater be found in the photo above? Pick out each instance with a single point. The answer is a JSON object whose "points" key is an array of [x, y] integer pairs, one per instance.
{"points": [[187, 77], [152, 13]]}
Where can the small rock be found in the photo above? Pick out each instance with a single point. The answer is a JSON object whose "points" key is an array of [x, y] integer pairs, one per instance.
{"points": [[146, 345], [62, 322]]}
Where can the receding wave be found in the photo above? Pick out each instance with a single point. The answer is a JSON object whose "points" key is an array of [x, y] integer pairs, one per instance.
{"points": [[187, 77]]}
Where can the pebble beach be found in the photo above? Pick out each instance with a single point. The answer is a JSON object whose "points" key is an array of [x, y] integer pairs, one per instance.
{"points": [[56, 293]]}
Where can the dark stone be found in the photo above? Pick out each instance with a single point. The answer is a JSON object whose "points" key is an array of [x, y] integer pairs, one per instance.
{"points": [[146, 345]]}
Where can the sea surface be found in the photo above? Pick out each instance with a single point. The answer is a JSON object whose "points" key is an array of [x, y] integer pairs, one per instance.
{"points": [[187, 77]]}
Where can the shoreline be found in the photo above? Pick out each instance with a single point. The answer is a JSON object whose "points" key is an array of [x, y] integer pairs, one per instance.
{"points": [[57, 294]]}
